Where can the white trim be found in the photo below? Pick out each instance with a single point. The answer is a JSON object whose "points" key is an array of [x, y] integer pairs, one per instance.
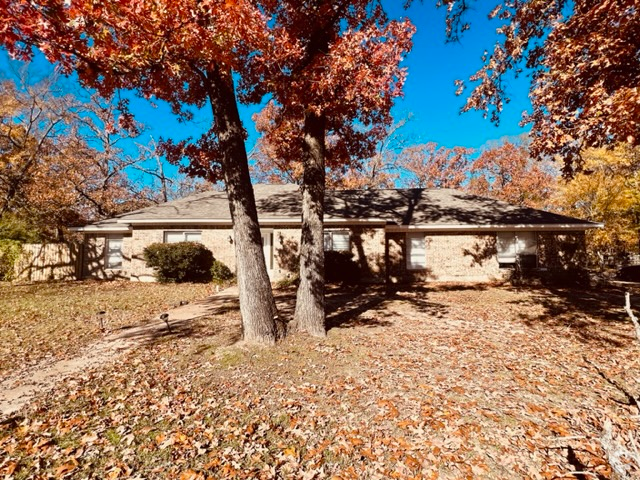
{"points": [[124, 226], [267, 238], [97, 229], [262, 221], [492, 228], [184, 234]]}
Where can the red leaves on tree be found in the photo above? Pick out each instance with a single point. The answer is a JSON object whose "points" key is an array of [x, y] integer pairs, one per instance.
{"points": [[507, 172], [349, 75], [586, 71]]}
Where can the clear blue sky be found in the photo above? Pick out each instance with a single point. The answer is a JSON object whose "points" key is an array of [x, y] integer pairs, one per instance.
{"points": [[429, 95]]}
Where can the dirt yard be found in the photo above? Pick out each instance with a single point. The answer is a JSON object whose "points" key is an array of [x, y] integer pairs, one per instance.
{"points": [[454, 381]]}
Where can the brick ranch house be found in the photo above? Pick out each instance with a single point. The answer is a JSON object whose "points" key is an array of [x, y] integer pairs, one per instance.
{"points": [[395, 235]]}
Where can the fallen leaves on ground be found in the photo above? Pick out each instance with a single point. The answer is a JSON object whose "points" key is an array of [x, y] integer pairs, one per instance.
{"points": [[446, 382], [51, 321]]}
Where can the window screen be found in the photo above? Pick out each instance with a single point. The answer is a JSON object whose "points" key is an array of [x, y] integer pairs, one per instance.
{"points": [[337, 241], [114, 252], [506, 247], [182, 236], [416, 251], [517, 246]]}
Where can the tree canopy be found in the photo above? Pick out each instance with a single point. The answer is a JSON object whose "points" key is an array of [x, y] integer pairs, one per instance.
{"points": [[607, 190], [582, 56], [507, 172], [184, 52], [61, 163]]}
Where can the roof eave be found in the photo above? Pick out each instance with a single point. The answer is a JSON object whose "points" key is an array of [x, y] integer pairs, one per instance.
{"points": [[263, 221], [497, 227], [102, 229]]}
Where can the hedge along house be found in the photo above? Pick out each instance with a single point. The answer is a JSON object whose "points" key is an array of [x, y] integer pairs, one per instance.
{"points": [[395, 235]]}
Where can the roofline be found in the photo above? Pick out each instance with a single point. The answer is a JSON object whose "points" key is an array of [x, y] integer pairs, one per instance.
{"points": [[262, 221], [493, 228], [105, 229], [124, 226]]}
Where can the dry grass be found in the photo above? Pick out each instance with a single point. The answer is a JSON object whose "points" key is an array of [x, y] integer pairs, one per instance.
{"points": [[456, 381], [47, 321]]}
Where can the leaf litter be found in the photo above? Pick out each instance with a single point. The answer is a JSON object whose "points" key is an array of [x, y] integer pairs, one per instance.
{"points": [[453, 381]]}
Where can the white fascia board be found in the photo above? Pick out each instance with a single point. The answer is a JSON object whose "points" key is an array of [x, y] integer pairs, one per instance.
{"points": [[174, 221], [354, 221], [99, 229], [492, 228], [262, 221]]}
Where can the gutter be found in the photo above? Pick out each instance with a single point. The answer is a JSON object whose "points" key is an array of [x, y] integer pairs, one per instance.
{"points": [[98, 229], [569, 227], [263, 222], [125, 226]]}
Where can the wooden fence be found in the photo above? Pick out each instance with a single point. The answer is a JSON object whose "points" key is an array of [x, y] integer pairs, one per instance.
{"points": [[51, 261]]}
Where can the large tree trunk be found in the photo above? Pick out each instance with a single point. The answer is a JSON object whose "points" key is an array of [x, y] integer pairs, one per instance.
{"points": [[257, 305], [309, 314]]}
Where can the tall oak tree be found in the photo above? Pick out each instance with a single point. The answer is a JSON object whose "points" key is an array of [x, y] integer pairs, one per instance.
{"points": [[332, 97], [185, 52]]}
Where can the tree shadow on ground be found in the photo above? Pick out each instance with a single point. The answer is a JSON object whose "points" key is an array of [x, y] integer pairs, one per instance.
{"points": [[346, 305], [593, 316], [228, 332], [438, 287], [220, 319]]}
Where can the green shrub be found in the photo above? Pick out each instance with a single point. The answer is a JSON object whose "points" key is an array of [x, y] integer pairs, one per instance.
{"points": [[220, 273], [15, 228], [180, 262], [292, 280], [551, 277], [10, 252], [340, 267]]}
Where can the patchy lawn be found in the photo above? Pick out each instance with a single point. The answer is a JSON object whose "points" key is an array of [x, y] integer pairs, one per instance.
{"points": [[50, 321], [446, 382]]}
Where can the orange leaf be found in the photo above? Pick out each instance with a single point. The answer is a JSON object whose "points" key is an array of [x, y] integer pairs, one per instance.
{"points": [[412, 462], [9, 468], [67, 468], [191, 475]]}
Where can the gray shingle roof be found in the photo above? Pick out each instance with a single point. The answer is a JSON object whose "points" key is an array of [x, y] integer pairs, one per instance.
{"points": [[393, 206]]}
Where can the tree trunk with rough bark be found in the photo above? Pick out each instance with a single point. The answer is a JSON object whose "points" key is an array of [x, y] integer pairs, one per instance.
{"points": [[257, 305], [309, 316]]}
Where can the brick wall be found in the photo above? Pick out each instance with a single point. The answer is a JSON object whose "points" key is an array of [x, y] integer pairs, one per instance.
{"points": [[286, 249], [368, 248], [94, 258], [218, 240], [464, 257]]}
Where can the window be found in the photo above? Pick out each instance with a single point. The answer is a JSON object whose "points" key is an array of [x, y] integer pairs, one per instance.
{"points": [[416, 251], [175, 237], [267, 248], [516, 247], [337, 241], [113, 252]]}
